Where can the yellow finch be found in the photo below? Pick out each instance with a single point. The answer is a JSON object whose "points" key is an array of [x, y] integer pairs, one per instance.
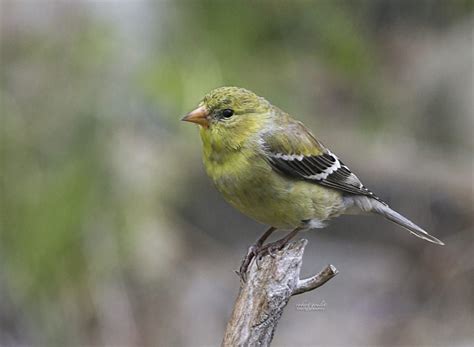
{"points": [[272, 168]]}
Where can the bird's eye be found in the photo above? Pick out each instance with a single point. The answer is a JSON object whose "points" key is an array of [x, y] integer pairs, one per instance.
{"points": [[227, 113]]}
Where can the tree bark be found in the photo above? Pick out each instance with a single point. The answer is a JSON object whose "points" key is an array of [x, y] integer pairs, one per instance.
{"points": [[271, 281]]}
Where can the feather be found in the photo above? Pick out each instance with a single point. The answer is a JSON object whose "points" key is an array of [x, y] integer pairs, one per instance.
{"points": [[295, 152], [397, 218]]}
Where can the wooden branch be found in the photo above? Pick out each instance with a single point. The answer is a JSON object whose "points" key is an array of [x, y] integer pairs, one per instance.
{"points": [[270, 283], [315, 281]]}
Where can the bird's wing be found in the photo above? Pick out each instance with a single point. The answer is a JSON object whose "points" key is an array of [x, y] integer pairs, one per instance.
{"points": [[291, 149]]}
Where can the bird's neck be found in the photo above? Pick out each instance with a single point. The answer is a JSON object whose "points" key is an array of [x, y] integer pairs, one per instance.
{"points": [[219, 149], [222, 141], [228, 155]]}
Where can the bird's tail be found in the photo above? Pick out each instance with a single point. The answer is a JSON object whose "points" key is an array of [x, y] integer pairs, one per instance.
{"points": [[394, 216], [375, 206]]}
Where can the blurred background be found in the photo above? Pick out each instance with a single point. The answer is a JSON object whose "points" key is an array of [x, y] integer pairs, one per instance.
{"points": [[111, 233]]}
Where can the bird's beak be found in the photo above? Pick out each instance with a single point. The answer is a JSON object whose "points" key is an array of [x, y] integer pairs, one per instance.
{"points": [[198, 116]]}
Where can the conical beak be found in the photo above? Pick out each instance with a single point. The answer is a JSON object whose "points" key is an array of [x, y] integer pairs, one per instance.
{"points": [[198, 116]]}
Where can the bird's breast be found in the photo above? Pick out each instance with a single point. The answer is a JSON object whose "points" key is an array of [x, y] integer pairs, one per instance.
{"points": [[248, 183], [234, 172]]}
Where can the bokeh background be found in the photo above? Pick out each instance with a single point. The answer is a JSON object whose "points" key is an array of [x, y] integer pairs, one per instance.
{"points": [[111, 234]]}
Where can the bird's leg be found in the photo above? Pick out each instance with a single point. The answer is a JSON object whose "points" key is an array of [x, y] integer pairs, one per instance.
{"points": [[277, 245], [253, 251]]}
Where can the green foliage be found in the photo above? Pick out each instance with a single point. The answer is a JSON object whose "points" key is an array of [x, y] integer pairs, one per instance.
{"points": [[261, 44], [52, 172]]}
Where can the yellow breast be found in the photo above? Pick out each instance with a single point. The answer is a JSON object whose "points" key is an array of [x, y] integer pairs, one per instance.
{"points": [[247, 182]]}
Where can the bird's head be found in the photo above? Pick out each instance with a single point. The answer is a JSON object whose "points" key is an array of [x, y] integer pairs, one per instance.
{"points": [[229, 109], [229, 116]]}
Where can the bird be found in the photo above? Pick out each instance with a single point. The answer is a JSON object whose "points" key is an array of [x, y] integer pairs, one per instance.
{"points": [[272, 168]]}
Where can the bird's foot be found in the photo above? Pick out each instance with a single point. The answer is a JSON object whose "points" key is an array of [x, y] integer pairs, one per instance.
{"points": [[257, 252], [271, 248], [251, 254]]}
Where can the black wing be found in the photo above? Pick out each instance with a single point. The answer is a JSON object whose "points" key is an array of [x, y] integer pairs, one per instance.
{"points": [[325, 169]]}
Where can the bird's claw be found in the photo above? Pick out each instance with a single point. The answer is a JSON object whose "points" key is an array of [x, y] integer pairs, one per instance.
{"points": [[271, 248], [257, 252], [251, 253]]}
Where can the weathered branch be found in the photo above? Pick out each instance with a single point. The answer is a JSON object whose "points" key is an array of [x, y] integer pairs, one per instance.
{"points": [[315, 281], [270, 283]]}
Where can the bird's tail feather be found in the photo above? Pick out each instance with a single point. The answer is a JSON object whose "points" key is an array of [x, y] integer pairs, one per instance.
{"points": [[391, 215]]}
